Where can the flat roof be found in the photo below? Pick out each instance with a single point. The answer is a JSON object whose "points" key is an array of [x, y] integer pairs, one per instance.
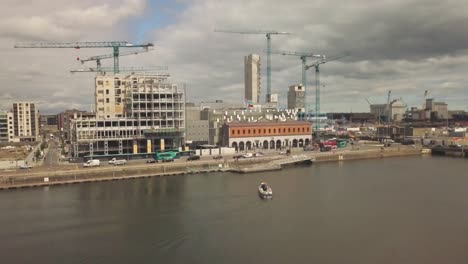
{"points": [[274, 123]]}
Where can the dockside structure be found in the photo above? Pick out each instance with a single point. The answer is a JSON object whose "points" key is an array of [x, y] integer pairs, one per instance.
{"points": [[134, 114], [245, 136]]}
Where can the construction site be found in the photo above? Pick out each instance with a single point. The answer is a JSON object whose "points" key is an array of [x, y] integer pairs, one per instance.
{"points": [[137, 112]]}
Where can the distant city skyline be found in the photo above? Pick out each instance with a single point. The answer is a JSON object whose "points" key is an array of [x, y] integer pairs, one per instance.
{"points": [[396, 46]]}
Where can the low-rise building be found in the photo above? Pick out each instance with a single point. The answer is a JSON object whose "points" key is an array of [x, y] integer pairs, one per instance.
{"points": [[245, 136]]}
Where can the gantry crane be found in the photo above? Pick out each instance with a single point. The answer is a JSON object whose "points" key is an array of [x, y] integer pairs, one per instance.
{"points": [[108, 56], [303, 56], [115, 45], [268, 34], [316, 65], [388, 106], [123, 69]]}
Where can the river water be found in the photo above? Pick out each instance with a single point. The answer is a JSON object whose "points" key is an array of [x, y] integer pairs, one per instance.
{"points": [[398, 210]]}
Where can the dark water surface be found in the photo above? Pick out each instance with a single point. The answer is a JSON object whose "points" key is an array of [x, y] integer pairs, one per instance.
{"points": [[400, 210]]}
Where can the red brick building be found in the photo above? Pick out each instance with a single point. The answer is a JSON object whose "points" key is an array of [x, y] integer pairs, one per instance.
{"points": [[266, 135]]}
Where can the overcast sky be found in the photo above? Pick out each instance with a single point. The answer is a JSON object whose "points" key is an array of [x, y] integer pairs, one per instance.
{"points": [[406, 46]]}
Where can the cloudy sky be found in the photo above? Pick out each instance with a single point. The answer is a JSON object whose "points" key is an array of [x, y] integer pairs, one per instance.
{"points": [[406, 46]]}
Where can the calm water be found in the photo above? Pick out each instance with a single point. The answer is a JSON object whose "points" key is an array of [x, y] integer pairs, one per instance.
{"points": [[412, 210]]}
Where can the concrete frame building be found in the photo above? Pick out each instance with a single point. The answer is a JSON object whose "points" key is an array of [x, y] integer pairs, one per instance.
{"points": [[296, 97], [26, 121], [6, 126], [48, 120], [197, 132], [134, 114], [252, 78], [245, 136], [395, 113], [438, 109]]}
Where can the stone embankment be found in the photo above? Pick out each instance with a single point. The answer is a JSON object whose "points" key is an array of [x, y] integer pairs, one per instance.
{"points": [[57, 177]]}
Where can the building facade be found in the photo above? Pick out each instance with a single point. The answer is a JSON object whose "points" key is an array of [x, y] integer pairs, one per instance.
{"points": [[439, 110], [252, 78], [246, 136], [395, 113], [296, 97], [26, 121], [134, 114], [197, 130], [48, 120], [6, 126]]}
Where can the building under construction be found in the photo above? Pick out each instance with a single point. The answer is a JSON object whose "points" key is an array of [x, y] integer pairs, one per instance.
{"points": [[136, 114]]}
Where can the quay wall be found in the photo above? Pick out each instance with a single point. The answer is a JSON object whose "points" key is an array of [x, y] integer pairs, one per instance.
{"points": [[60, 177]]}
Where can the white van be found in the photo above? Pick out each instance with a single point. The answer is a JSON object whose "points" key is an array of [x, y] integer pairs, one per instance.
{"points": [[92, 163]]}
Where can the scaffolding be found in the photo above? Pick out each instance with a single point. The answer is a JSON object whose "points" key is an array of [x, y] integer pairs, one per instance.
{"points": [[153, 110]]}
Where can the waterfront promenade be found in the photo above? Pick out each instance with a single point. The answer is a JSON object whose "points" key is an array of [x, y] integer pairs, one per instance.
{"points": [[68, 174]]}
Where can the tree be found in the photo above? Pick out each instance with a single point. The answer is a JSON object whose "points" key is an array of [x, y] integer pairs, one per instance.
{"points": [[37, 154]]}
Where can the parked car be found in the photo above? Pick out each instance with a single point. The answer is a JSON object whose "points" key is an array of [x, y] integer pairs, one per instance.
{"points": [[283, 152], [25, 166], [193, 157], [309, 148], [115, 161], [325, 148], [247, 155], [151, 161], [168, 160], [259, 154], [92, 163], [218, 157], [408, 141]]}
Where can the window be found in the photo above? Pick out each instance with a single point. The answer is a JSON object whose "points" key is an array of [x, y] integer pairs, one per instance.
{"points": [[238, 131], [233, 132], [284, 130], [274, 130], [303, 129], [243, 131], [289, 130], [294, 129], [264, 131], [308, 129], [107, 100], [107, 91], [100, 83], [269, 130], [248, 131], [254, 131]]}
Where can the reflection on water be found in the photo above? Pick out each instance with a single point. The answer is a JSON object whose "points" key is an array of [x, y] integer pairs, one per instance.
{"points": [[411, 210]]}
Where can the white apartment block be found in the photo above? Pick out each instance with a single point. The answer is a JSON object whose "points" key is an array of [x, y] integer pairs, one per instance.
{"points": [[6, 126], [252, 78], [25, 121]]}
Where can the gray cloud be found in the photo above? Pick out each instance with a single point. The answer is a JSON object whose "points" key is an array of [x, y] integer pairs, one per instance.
{"points": [[406, 46]]}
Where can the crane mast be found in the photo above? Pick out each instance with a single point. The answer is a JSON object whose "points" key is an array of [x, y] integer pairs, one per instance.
{"points": [[268, 34], [316, 65], [303, 56]]}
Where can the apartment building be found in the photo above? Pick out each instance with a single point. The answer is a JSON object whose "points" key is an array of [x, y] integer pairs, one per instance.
{"points": [[26, 121]]}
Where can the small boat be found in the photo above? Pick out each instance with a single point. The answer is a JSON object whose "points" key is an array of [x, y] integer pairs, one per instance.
{"points": [[264, 190]]}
